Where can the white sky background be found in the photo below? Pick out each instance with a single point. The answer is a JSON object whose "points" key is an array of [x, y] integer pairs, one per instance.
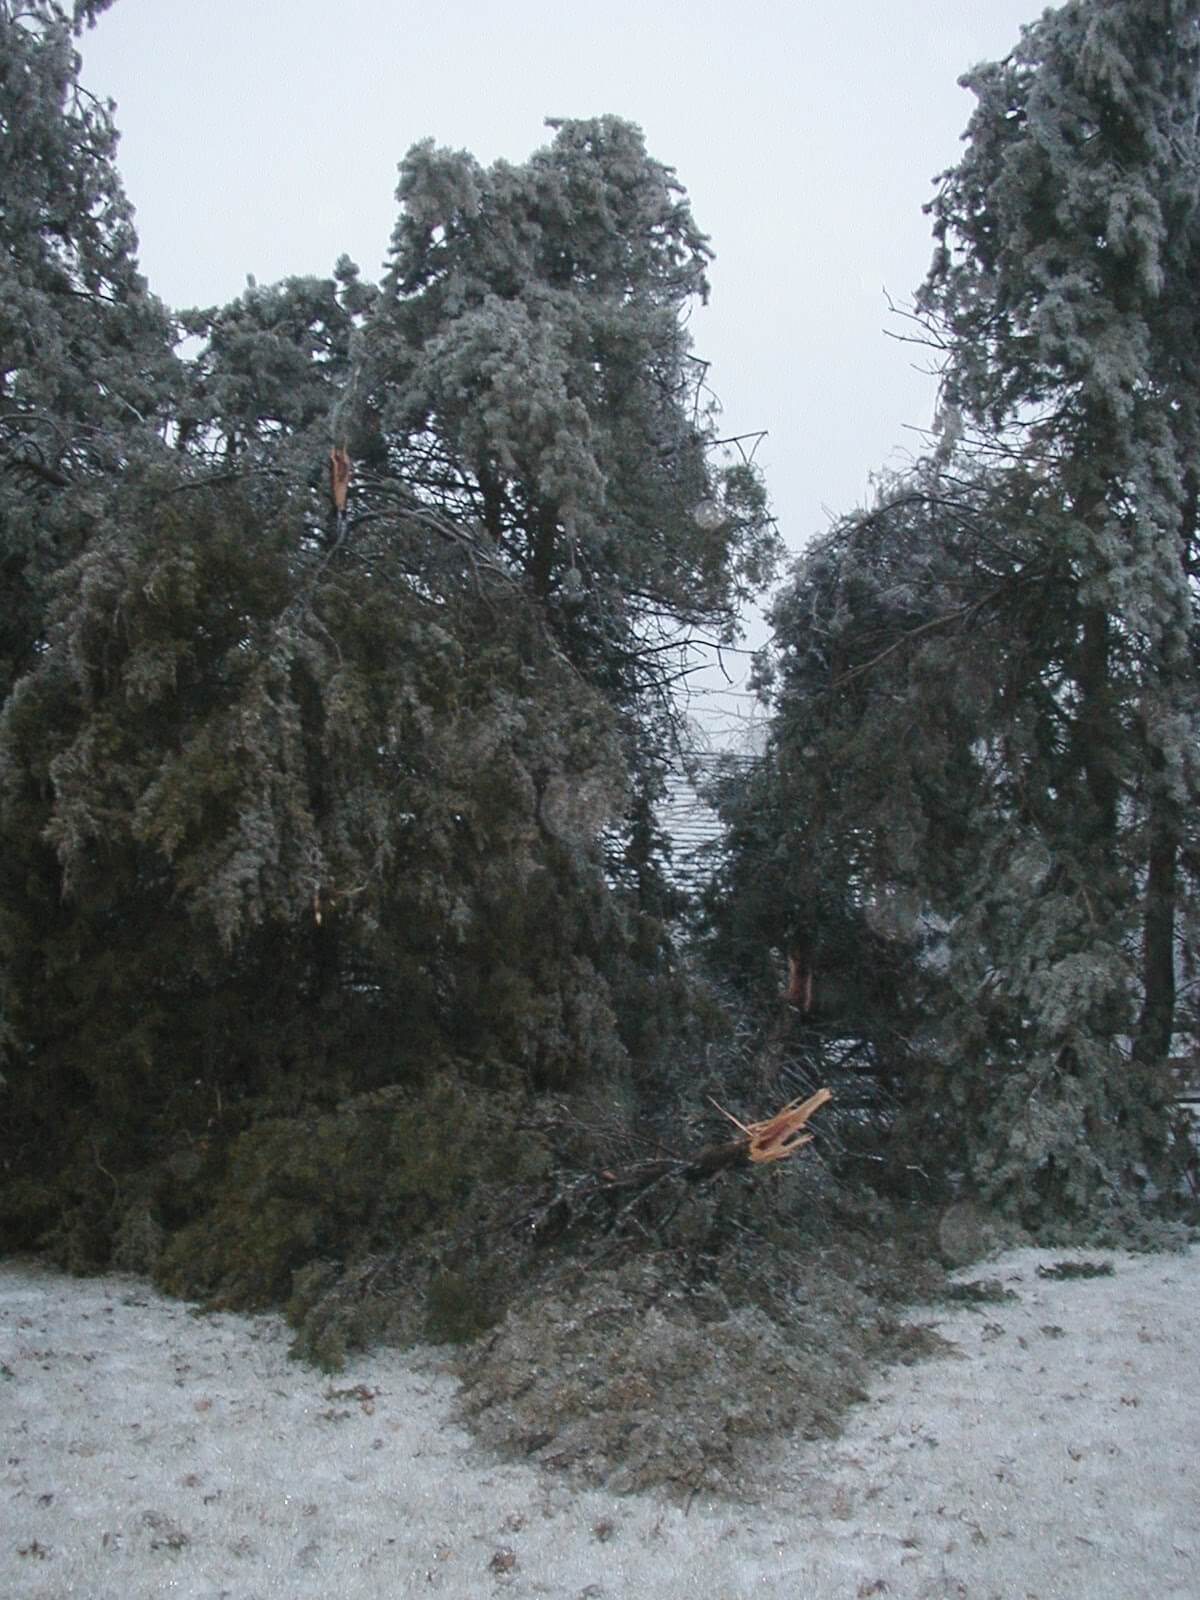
{"points": [[262, 136]]}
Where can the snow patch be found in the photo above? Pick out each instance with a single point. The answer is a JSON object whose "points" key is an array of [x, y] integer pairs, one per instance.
{"points": [[146, 1449]]}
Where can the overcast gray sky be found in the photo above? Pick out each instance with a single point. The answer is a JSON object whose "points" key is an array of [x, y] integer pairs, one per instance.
{"points": [[262, 136]]}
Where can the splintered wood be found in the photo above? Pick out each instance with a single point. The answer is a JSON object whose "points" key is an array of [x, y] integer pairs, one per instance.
{"points": [[339, 477], [782, 1134]]}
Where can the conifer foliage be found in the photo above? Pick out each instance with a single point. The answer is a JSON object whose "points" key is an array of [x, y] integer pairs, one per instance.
{"points": [[986, 684], [86, 366], [528, 372], [530, 369], [305, 798]]}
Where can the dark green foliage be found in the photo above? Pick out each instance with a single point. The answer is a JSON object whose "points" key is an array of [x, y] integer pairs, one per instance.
{"points": [[1070, 337], [373, 1174], [286, 828], [923, 833], [86, 371], [981, 784], [979, 1292], [1077, 1269], [306, 812], [459, 1307]]}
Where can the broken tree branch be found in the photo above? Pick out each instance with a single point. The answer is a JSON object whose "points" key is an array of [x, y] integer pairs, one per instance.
{"points": [[607, 1200]]}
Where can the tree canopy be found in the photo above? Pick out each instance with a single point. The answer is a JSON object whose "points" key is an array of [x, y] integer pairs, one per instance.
{"points": [[87, 372], [306, 795], [341, 629], [529, 368], [985, 684]]}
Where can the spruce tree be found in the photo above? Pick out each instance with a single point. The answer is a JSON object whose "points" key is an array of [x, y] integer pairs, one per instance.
{"points": [[528, 371], [304, 802], [1062, 286], [991, 674], [86, 370]]}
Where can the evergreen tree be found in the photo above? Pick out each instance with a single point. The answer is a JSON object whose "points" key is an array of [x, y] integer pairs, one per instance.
{"points": [[299, 801], [529, 368], [283, 824], [844, 843], [86, 370], [1068, 244], [272, 368], [1072, 321], [993, 671], [528, 372]]}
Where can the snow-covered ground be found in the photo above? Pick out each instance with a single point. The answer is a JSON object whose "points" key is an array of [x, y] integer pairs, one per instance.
{"points": [[146, 1450]]}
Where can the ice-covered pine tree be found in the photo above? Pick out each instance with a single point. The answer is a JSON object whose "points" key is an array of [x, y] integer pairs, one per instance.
{"points": [[529, 366], [986, 683], [86, 369], [528, 370], [1064, 290]]}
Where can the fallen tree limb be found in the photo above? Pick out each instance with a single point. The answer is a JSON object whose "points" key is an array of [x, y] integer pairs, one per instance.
{"points": [[607, 1199]]}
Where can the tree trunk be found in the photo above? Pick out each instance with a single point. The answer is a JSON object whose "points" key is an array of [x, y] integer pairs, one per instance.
{"points": [[544, 551], [493, 501], [1157, 1021], [1095, 734], [1165, 827]]}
